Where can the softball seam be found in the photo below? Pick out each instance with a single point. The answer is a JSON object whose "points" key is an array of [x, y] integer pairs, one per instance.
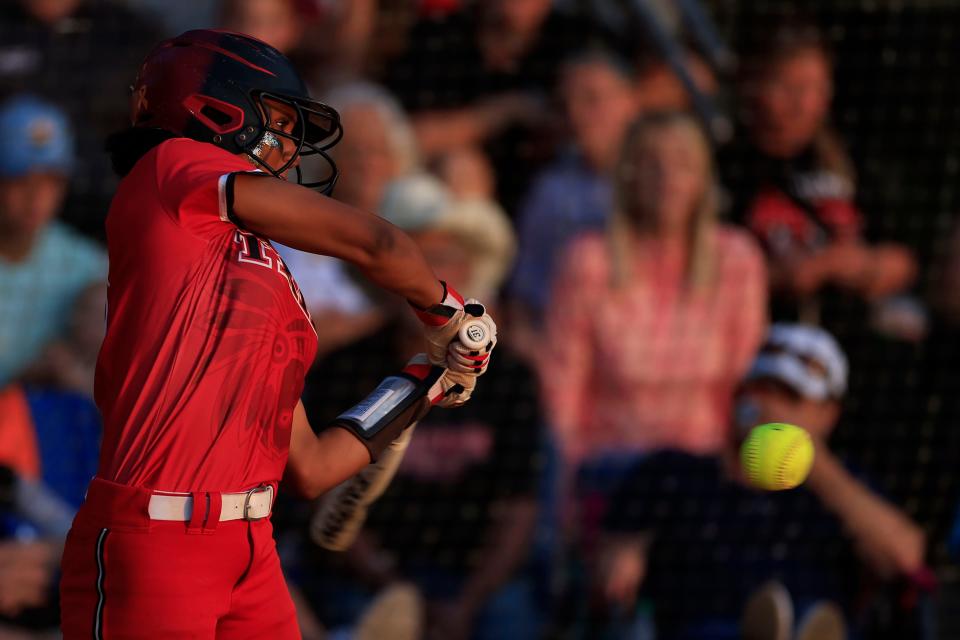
{"points": [[788, 456]]}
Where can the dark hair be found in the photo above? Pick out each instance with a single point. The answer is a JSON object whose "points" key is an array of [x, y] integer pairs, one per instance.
{"points": [[128, 146], [597, 56], [766, 46], [230, 9]]}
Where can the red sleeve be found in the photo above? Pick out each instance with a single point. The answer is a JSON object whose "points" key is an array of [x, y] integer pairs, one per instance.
{"points": [[195, 181]]}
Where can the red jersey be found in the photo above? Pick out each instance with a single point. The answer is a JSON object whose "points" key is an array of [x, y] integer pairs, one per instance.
{"points": [[208, 338]]}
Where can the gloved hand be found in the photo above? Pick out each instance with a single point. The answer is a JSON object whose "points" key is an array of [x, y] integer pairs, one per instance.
{"points": [[441, 323], [469, 353], [468, 356]]}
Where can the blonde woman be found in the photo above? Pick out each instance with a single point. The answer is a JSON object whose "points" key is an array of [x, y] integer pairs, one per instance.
{"points": [[653, 323]]}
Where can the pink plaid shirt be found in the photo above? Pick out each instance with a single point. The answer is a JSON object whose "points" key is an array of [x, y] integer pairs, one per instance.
{"points": [[650, 365]]}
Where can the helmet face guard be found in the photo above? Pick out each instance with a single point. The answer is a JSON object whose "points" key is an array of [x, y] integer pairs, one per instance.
{"points": [[316, 130]]}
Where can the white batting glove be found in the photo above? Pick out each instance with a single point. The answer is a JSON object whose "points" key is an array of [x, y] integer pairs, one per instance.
{"points": [[476, 338], [441, 322], [446, 391], [468, 356]]}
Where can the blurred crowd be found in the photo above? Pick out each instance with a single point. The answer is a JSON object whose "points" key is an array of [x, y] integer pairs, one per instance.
{"points": [[672, 236]]}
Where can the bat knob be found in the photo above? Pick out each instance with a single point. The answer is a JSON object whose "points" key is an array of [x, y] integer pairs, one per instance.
{"points": [[474, 335]]}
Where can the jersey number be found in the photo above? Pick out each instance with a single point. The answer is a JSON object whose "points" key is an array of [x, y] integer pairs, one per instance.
{"points": [[254, 250]]}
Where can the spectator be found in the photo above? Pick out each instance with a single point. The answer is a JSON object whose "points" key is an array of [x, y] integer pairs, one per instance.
{"points": [[84, 54], [922, 465], [793, 186], [48, 453], [458, 518], [378, 147], [659, 88], [700, 540], [573, 195], [276, 22], [177, 17], [467, 173], [68, 362], [381, 146], [329, 41], [478, 77], [474, 227], [44, 267], [342, 42], [650, 327]]}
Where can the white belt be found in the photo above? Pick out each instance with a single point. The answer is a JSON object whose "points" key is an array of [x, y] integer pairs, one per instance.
{"points": [[248, 505]]}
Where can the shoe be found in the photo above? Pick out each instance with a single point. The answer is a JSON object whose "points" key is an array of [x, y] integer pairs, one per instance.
{"points": [[824, 621], [395, 614], [768, 614]]}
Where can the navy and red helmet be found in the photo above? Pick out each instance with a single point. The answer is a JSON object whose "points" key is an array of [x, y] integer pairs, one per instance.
{"points": [[210, 86]]}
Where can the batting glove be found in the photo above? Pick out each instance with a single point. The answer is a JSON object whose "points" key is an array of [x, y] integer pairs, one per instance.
{"points": [[441, 323], [468, 356], [470, 352]]}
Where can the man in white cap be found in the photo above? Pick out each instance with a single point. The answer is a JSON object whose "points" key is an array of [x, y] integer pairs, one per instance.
{"points": [[721, 559], [44, 266], [462, 508]]}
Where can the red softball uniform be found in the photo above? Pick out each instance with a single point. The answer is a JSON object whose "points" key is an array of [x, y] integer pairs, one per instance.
{"points": [[208, 338], [208, 341]]}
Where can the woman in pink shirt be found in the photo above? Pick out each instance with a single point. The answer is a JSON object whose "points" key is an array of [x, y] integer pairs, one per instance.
{"points": [[654, 323]]}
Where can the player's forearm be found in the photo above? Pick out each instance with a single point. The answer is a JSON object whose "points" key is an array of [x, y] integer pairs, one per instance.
{"points": [[305, 220], [508, 540], [866, 516], [399, 266], [336, 456], [319, 462], [387, 256]]}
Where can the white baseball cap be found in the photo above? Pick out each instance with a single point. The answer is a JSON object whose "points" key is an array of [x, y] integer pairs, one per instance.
{"points": [[421, 202], [805, 358]]}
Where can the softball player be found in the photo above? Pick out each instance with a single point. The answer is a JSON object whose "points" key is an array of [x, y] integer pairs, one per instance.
{"points": [[207, 343]]}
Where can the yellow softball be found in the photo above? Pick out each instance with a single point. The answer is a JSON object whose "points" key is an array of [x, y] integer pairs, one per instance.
{"points": [[777, 456]]}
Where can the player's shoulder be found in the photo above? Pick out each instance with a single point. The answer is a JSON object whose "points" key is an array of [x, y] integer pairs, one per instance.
{"points": [[180, 151], [185, 159], [181, 166]]}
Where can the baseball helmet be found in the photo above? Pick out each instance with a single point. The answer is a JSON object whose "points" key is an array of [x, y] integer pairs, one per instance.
{"points": [[211, 86]]}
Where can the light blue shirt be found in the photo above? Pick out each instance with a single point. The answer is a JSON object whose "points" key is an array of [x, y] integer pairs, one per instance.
{"points": [[324, 282], [37, 294], [567, 199]]}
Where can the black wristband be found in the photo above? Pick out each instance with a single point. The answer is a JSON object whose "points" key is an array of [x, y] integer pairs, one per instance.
{"points": [[394, 405], [389, 431]]}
